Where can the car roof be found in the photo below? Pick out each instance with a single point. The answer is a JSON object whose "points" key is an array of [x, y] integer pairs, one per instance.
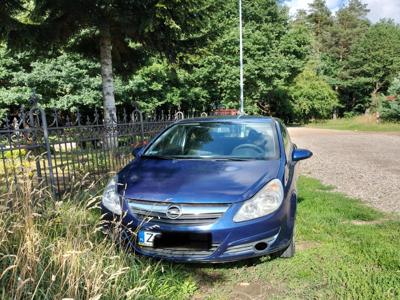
{"points": [[236, 119]]}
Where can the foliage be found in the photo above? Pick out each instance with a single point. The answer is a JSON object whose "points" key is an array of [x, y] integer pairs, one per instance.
{"points": [[333, 46], [66, 81], [350, 24], [275, 53], [374, 59], [163, 59], [160, 85], [320, 18], [14, 154], [390, 110], [54, 249], [123, 30], [312, 97]]}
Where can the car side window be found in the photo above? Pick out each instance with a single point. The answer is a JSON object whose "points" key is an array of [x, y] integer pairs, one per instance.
{"points": [[286, 140]]}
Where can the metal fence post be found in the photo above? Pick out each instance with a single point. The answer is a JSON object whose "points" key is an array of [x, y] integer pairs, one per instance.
{"points": [[34, 129], [141, 124], [48, 151]]}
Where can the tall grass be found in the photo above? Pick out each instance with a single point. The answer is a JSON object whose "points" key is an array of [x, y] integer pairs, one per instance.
{"points": [[358, 123], [53, 249]]}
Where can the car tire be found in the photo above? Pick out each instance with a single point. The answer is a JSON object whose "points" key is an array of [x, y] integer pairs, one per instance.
{"points": [[286, 252]]}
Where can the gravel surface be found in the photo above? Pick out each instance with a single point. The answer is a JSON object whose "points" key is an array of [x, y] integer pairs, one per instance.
{"points": [[359, 164]]}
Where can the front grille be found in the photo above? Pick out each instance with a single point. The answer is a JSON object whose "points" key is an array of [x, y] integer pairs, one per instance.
{"points": [[179, 252], [173, 213]]}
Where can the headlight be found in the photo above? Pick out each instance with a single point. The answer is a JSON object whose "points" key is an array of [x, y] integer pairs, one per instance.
{"points": [[266, 201], [111, 198]]}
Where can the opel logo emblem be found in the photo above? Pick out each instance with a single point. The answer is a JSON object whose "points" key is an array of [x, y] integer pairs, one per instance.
{"points": [[174, 211]]}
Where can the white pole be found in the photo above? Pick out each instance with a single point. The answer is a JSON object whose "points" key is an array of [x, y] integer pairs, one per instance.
{"points": [[241, 58]]}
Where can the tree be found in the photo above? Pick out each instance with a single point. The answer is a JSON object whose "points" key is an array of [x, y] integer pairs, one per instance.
{"points": [[320, 18], [351, 23], [118, 28], [312, 97], [374, 62], [68, 81], [8, 9], [274, 53]]}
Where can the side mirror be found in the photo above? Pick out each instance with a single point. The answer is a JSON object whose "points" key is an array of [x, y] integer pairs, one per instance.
{"points": [[300, 154], [137, 152]]}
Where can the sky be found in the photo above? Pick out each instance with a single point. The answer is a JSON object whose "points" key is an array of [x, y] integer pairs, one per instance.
{"points": [[379, 9]]}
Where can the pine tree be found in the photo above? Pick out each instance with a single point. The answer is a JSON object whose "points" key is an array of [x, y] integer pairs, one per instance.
{"points": [[373, 63], [320, 18], [351, 23], [108, 28]]}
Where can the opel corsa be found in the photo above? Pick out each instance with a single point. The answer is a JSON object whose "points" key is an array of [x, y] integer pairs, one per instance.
{"points": [[210, 190]]}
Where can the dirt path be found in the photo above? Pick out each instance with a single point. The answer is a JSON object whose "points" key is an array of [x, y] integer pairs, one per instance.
{"points": [[360, 164]]}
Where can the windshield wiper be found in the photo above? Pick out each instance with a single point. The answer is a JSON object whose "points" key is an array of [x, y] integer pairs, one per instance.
{"points": [[158, 157], [170, 157], [231, 158]]}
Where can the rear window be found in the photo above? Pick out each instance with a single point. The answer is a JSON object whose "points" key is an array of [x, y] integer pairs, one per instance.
{"points": [[217, 140]]}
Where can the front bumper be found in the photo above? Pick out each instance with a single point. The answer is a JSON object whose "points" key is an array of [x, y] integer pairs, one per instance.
{"points": [[230, 241]]}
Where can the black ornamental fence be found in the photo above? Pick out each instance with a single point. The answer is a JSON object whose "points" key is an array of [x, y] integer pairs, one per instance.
{"points": [[59, 149]]}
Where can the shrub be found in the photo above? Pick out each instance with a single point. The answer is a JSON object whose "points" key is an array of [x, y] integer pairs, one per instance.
{"points": [[390, 107], [14, 154], [349, 114], [390, 110], [312, 97]]}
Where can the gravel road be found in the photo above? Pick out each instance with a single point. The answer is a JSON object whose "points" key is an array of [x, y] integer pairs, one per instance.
{"points": [[360, 164]]}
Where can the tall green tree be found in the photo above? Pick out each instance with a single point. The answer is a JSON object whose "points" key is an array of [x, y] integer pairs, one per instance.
{"points": [[373, 63], [320, 18], [274, 53], [350, 24], [110, 29]]}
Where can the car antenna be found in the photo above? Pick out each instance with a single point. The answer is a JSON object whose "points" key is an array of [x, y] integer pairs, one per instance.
{"points": [[241, 58]]}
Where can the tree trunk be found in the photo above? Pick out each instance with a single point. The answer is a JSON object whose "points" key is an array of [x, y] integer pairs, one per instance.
{"points": [[335, 111], [110, 115], [375, 97]]}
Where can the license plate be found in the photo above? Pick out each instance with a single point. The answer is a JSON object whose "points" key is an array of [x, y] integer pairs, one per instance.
{"points": [[146, 238]]}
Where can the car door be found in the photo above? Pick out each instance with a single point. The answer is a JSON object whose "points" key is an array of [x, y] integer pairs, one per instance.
{"points": [[290, 175], [288, 146]]}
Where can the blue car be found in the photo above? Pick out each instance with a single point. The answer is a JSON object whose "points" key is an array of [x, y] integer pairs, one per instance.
{"points": [[214, 189]]}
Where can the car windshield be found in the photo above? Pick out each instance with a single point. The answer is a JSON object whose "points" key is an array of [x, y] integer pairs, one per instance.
{"points": [[216, 140]]}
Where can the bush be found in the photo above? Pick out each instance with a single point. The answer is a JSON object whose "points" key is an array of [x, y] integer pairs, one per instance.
{"points": [[14, 154], [312, 97], [349, 114], [390, 110], [390, 107]]}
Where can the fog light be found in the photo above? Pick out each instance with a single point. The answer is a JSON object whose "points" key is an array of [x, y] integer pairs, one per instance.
{"points": [[260, 246]]}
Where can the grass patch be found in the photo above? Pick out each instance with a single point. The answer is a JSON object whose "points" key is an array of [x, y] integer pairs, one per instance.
{"points": [[335, 258], [359, 123], [54, 250]]}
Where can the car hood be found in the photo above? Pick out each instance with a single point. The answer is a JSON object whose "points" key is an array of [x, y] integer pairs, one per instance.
{"points": [[189, 181]]}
